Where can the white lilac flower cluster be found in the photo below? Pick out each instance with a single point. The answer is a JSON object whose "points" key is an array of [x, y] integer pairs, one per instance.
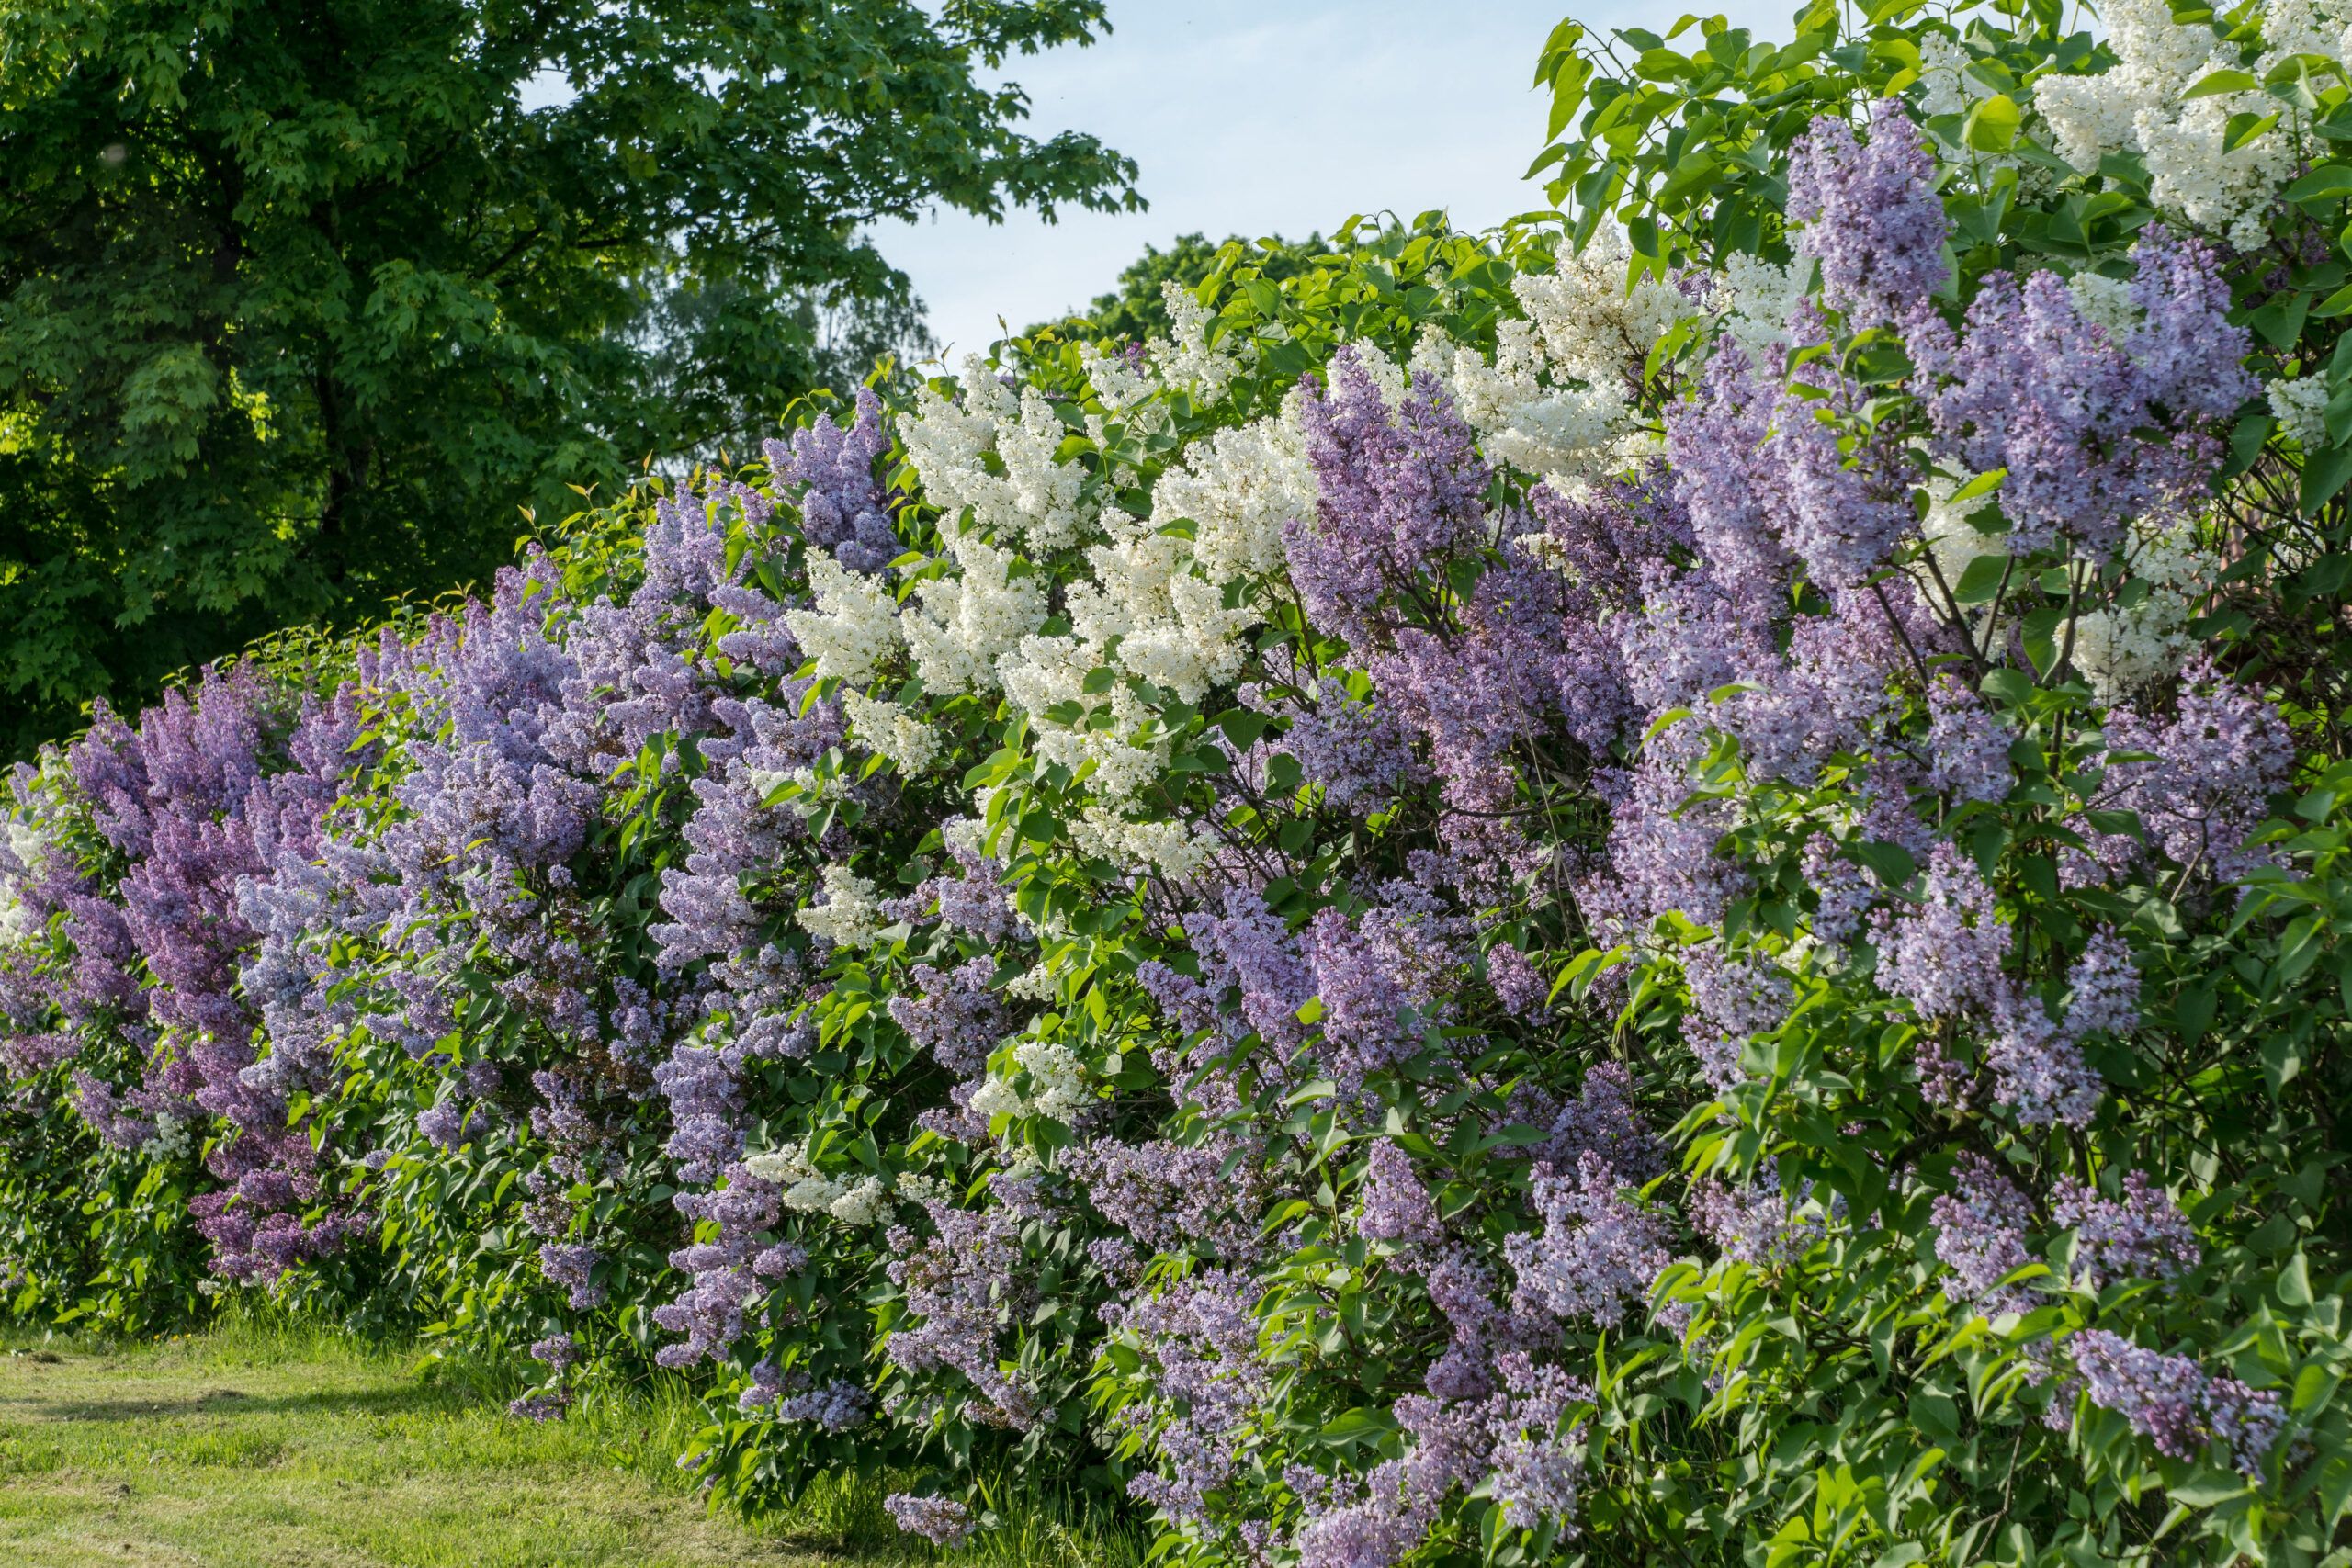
{"points": [[853, 1201], [851, 915], [1055, 1083], [1555, 399], [2148, 104]]}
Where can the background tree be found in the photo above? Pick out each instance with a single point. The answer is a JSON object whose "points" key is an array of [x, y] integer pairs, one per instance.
{"points": [[1134, 311], [299, 299]]}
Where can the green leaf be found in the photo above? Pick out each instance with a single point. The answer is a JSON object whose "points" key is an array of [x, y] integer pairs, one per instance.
{"points": [[1359, 1425], [2295, 1282], [2281, 322], [2325, 473], [2005, 685], [1891, 860], [2243, 127], [2214, 82], [1568, 93], [1992, 124], [2289, 80], [1982, 578], [1982, 484], [2039, 632], [2192, 1010], [2208, 1487], [2329, 182]]}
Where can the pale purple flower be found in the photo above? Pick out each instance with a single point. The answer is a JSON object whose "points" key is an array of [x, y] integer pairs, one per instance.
{"points": [[2214, 765], [2142, 1236], [2103, 989], [2174, 1402], [2037, 1066], [1968, 744], [1198, 1336], [943, 1521], [1522, 992], [2091, 431], [1395, 492], [961, 1288], [1172, 1197], [1945, 955], [828, 470], [1870, 215], [1981, 1236], [1396, 1207], [557, 1351], [1755, 1222], [1597, 1254], [958, 1018], [838, 1407]]}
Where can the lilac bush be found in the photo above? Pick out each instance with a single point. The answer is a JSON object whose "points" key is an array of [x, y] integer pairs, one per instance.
{"points": [[1674, 876]]}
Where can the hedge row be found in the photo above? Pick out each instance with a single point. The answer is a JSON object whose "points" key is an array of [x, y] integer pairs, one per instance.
{"points": [[1672, 883]]}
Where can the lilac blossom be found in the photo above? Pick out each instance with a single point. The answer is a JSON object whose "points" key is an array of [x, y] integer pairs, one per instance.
{"points": [[1598, 1252], [1848, 484], [1827, 695], [1397, 489], [2142, 1236], [827, 470], [1360, 753], [1664, 850], [839, 1406], [1537, 1472], [1725, 476], [1980, 1236], [1734, 999], [961, 1288], [943, 1521], [2091, 431], [2174, 1402], [726, 1272], [1199, 1338], [1396, 1207], [568, 1266], [2103, 989], [2211, 768], [557, 1351], [1527, 658], [547, 1405], [1754, 1222], [1173, 1198], [1250, 950], [1382, 979], [1945, 955], [1968, 744], [1522, 991], [958, 1018], [1604, 1121], [2037, 1066], [1872, 217]]}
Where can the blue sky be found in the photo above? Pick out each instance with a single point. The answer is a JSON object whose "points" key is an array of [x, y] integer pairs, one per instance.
{"points": [[1281, 116]]}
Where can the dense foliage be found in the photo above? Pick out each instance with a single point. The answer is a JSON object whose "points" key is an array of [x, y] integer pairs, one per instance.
{"points": [[298, 302], [1670, 886], [1136, 309]]}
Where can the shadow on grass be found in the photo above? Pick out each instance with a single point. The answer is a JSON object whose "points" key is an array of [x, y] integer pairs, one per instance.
{"points": [[228, 1402]]}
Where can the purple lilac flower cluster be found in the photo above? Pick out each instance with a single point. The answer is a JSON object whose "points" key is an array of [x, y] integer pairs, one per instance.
{"points": [[2175, 1402], [943, 1521]]}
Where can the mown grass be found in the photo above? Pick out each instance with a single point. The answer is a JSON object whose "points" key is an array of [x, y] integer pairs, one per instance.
{"points": [[261, 1445]]}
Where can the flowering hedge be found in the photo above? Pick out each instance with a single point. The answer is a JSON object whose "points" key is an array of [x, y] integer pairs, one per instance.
{"points": [[1669, 883]]}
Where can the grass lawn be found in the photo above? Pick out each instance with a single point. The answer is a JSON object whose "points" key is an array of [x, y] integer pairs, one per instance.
{"points": [[251, 1448]]}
